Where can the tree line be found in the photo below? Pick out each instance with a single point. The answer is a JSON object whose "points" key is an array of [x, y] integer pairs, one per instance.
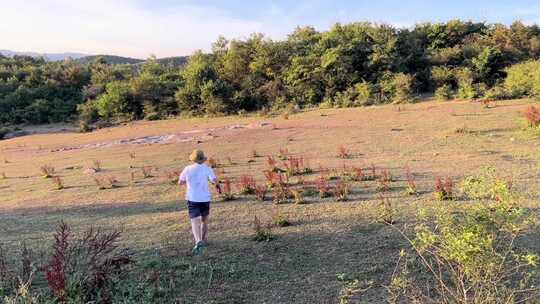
{"points": [[351, 64]]}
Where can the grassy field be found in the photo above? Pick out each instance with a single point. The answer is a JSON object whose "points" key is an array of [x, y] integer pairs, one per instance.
{"points": [[326, 237]]}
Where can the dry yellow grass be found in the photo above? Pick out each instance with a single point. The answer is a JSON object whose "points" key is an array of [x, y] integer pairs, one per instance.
{"points": [[326, 237]]}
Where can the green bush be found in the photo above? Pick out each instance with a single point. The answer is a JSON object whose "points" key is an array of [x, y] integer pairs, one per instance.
{"points": [[88, 114], [403, 88], [395, 87], [466, 87], [4, 131], [523, 79], [442, 75], [115, 102], [468, 256], [497, 92], [486, 185], [443, 93], [361, 94]]}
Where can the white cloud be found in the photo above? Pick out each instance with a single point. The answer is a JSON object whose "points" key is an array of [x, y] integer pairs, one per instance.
{"points": [[117, 27]]}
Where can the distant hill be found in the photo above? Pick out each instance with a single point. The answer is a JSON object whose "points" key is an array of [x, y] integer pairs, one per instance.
{"points": [[179, 61], [110, 59], [47, 56]]}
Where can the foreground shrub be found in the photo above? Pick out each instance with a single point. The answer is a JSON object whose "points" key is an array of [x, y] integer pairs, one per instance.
{"points": [[468, 256], [85, 269], [80, 268]]}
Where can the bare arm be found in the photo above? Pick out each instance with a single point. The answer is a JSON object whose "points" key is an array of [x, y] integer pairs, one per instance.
{"points": [[213, 179], [182, 178]]}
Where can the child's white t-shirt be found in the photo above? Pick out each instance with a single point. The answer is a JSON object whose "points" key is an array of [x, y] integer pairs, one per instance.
{"points": [[197, 177]]}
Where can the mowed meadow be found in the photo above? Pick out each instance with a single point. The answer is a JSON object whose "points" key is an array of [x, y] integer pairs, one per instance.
{"points": [[341, 247]]}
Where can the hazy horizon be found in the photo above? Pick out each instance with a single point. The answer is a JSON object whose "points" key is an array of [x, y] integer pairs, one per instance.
{"points": [[165, 28]]}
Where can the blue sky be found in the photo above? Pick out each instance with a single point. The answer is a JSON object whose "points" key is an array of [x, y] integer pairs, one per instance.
{"points": [[140, 28]]}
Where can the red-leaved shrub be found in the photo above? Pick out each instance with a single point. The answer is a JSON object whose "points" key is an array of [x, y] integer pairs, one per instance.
{"points": [[260, 192], [246, 184], [444, 190], [532, 114]]}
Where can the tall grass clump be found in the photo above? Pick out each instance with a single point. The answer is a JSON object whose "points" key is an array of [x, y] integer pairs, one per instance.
{"points": [[85, 268]]}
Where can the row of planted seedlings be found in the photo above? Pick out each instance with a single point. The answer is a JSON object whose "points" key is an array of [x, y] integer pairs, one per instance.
{"points": [[286, 181], [110, 181]]}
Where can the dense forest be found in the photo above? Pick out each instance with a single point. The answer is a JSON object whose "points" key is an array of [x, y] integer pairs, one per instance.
{"points": [[349, 65]]}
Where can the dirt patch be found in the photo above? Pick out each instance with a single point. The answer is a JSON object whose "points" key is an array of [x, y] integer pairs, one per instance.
{"points": [[196, 135]]}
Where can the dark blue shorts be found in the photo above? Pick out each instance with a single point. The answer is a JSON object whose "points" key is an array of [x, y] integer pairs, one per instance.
{"points": [[196, 209]]}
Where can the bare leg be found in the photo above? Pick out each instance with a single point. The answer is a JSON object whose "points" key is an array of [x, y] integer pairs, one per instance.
{"points": [[196, 225], [204, 228]]}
